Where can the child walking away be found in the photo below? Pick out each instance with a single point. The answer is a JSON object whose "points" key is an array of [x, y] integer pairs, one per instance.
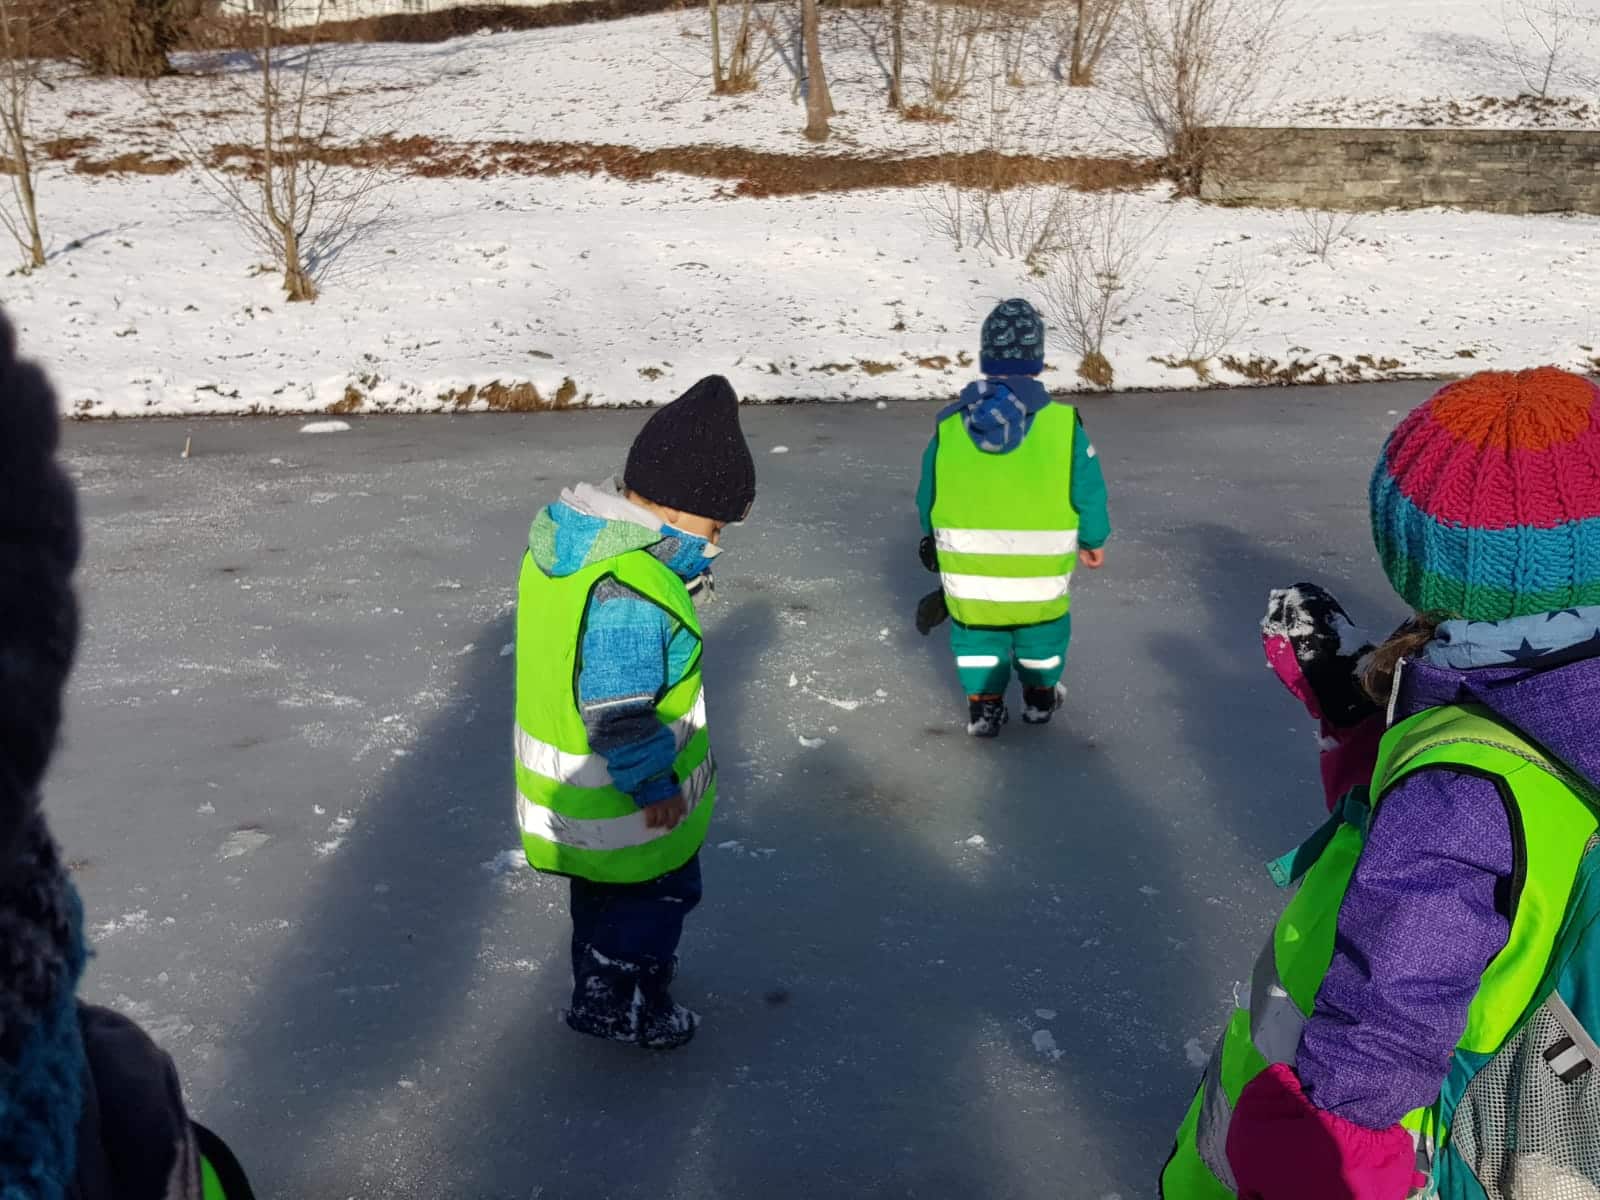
{"points": [[1423, 1020], [90, 1108], [1011, 498], [615, 778]]}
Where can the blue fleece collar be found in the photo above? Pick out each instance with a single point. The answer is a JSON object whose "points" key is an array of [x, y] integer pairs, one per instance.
{"points": [[1541, 639]]}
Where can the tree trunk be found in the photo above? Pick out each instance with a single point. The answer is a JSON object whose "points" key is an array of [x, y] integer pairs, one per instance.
{"points": [[30, 206], [1080, 73], [819, 104], [897, 62], [718, 83]]}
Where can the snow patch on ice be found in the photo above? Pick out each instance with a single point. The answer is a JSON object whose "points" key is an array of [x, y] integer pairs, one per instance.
{"points": [[1196, 1053], [1147, 890], [136, 922], [326, 427], [780, 450], [207, 809], [1045, 1043], [507, 862], [811, 743], [1045, 1014], [977, 839], [340, 828], [508, 650], [243, 841]]}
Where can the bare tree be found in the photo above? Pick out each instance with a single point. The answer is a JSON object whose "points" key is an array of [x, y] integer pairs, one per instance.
{"points": [[819, 101], [1196, 67], [753, 46], [1554, 26], [1317, 231], [897, 54], [1094, 276], [1084, 31], [20, 22], [127, 37], [296, 193]]}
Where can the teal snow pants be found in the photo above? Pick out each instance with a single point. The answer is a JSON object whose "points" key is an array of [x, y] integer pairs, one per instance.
{"points": [[985, 657]]}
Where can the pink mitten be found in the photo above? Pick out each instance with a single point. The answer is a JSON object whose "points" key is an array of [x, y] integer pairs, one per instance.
{"points": [[1283, 1147], [1316, 652]]}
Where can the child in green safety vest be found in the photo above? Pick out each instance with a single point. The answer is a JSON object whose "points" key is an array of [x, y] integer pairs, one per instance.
{"points": [[1011, 499], [1423, 1020], [615, 779]]}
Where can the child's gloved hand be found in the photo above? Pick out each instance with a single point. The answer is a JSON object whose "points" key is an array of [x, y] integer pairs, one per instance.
{"points": [[1281, 1146], [1316, 650], [928, 551], [932, 612]]}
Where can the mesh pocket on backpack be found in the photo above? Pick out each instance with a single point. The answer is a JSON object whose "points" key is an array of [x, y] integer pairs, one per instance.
{"points": [[1529, 1124]]}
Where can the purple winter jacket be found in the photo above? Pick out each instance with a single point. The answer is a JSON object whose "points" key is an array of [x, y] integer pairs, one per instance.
{"points": [[1438, 857]]}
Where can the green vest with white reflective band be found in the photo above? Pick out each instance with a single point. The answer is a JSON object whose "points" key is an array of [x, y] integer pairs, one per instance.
{"points": [[1004, 523], [1552, 823], [574, 819]]}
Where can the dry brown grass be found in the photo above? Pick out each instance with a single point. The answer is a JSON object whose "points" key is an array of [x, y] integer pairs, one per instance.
{"points": [[217, 32], [135, 162], [512, 397]]}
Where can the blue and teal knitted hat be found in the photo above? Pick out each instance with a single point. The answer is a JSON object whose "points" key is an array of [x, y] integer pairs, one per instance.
{"points": [[1013, 340], [1486, 500]]}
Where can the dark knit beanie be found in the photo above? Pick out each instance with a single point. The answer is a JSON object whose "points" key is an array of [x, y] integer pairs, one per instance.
{"points": [[41, 940], [1013, 340], [692, 456]]}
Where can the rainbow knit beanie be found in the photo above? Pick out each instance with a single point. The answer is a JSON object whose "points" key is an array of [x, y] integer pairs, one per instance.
{"points": [[1486, 500]]}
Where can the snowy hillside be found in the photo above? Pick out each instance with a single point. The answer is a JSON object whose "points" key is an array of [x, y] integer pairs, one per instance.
{"points": [[490, 268]]}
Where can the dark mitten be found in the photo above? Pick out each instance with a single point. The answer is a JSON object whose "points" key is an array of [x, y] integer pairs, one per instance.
{"points": [[1316, 650], [931, 613], [928, 551]]}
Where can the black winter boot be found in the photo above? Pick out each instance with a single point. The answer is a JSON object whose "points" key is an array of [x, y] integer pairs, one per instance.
{"points": [[606, 1000], [663, 1023], [1040, 704], [985, 716]]}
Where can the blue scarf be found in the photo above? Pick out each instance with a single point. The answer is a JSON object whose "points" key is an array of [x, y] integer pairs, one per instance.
{"points": [[999, 412]]}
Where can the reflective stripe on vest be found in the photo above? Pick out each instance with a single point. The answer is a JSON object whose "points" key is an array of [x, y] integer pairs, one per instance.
{"points": [[590, 770], [1552, 822], [1004, 525], [610, 833], [574, 820]]}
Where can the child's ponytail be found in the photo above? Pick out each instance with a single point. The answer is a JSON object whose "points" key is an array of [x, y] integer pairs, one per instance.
{"points": [[1378, 672]]}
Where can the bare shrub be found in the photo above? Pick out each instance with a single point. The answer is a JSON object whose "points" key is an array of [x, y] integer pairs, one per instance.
{"points": [[1091, 280], [1541, 36], [127, 37], [1083, 32], [21, 23], [897, 54], [754, 45], [981, 206], [953, 31], [1317, 232], [1196, 67], [283, 181], [1218, 308]]}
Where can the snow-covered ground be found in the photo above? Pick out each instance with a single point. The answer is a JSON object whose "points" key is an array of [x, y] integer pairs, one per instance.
{"points": [[600, 290]]}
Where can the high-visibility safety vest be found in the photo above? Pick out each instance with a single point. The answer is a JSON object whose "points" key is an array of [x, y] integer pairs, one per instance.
{"points": [[1553, 825], [1004, 523], [574, 819]]}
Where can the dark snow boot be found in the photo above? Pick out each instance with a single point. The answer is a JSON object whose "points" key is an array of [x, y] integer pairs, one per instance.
{"points": [[605, 999], [663, 1023], [1040, 704], [985, 716]]}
